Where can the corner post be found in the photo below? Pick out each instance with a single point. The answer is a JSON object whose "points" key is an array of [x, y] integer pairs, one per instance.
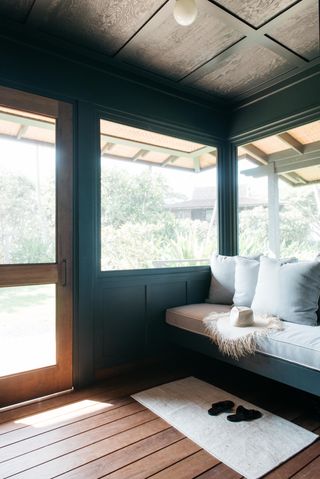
{"points": [[273, 212], [227, 182]]}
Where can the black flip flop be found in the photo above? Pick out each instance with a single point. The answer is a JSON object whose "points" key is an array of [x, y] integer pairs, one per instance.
{"points": [[244, 414], [219, 407]]}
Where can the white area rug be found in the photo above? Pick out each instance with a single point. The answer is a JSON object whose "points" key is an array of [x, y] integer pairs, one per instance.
{"points": [[250, 448]]}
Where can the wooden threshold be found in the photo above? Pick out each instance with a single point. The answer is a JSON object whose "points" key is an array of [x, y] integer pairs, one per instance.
{"points": [[102, 432]]}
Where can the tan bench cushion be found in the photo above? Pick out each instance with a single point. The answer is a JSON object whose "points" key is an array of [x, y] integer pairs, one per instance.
{"points": [[297, 343]]}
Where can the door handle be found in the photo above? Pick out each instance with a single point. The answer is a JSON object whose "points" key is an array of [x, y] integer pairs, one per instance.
{"points": [[64, 272]]}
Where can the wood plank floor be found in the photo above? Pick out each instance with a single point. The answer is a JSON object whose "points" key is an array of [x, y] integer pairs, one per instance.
{"points": [[103, 432]]}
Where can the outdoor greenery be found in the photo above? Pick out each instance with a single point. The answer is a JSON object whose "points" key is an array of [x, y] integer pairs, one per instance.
{"points": [[299, 224], [27, 220], [138, 231]]}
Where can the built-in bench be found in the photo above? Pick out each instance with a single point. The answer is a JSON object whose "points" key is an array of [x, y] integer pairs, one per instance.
{"points": [[291, 356]]}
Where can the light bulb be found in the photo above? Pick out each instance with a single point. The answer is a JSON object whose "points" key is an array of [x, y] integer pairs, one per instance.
{"points": [[185, 12]]}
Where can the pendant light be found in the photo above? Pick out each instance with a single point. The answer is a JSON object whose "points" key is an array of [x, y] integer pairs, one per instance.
{"points": [[185, 12]]}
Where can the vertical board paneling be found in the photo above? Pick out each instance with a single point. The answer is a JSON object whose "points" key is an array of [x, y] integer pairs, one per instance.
{"points": [[121, 323], [161, 296], [197, 290], [129, 321]]}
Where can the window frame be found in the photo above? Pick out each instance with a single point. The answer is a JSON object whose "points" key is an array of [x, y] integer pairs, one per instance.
{"points": [[156, 127]]}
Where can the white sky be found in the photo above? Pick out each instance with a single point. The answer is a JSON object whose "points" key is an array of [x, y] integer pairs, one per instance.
{"points": [[182, 181], [20, 158]]}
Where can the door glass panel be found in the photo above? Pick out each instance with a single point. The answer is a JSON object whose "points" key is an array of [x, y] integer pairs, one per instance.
{"points": [[27, 328], [27, 188]]}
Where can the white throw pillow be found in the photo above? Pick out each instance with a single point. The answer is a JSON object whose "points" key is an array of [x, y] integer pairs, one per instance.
{"points": [[246, 277], [290, 290]]}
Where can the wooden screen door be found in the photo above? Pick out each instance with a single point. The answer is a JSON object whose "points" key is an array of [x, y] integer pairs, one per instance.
{"points": [[35, 246]]}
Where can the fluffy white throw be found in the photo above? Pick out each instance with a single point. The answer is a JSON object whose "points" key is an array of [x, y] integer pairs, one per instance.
{"points": [[239, 341]]}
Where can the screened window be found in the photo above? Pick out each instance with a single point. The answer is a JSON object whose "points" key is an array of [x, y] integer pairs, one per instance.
{"points": [[284, 170], [253, 211], [156, 195]]}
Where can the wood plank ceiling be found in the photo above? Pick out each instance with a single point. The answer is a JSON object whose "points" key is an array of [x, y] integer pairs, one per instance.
{"points": [[234, 49]]}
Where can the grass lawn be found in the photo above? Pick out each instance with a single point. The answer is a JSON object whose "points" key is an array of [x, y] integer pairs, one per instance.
{"points": [[27, 328]]}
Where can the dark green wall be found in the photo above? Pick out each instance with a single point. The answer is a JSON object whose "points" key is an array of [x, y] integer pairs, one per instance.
{"points": [[118, 315]]}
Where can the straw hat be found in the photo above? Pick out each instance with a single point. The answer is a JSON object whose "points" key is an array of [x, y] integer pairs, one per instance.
{"points": [[241, 316]]}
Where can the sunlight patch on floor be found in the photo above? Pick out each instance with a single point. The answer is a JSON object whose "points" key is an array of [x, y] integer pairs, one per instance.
{"points": [[59, 415]]}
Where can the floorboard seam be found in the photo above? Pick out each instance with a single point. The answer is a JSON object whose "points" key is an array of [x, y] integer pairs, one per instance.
{"points": [[69, 437], [78, 449]]}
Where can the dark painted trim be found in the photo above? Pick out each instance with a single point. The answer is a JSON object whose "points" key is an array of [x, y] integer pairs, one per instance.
{"points": [[48, 44], [148, 276], [273, 89], [279, 111], [292, 374], [35, 70], [192, 131], [228, 199], [168, 128], [84, 323]]}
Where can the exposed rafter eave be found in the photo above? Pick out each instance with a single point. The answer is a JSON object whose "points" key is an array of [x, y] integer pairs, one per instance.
{"points": [[258, 154], [289, 154], [291, 142], [26, 121], [161, 149]]}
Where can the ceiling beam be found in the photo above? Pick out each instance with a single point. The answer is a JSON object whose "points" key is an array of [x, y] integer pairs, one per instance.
{"points": [[286, 166], [294, 166], [108, 147], [257, 172], [140, 154], [26, 121], [296, 178], [258, 154], [134, 158], [202, 151], [144, 162], [27, 140], [22, 130], [196, 165], [170, 159], [290, 141], [147, 146], [290, 153]]}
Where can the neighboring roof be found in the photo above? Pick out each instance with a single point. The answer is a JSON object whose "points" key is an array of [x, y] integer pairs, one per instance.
{"points": [[205, 198]]}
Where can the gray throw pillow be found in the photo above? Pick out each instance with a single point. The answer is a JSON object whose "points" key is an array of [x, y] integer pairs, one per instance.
{"points": [[245, 282], [290, 291], [223, 277], [222, 282]]}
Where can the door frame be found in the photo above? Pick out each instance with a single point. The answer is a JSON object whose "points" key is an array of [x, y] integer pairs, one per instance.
{"points": [[40, 382]]}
